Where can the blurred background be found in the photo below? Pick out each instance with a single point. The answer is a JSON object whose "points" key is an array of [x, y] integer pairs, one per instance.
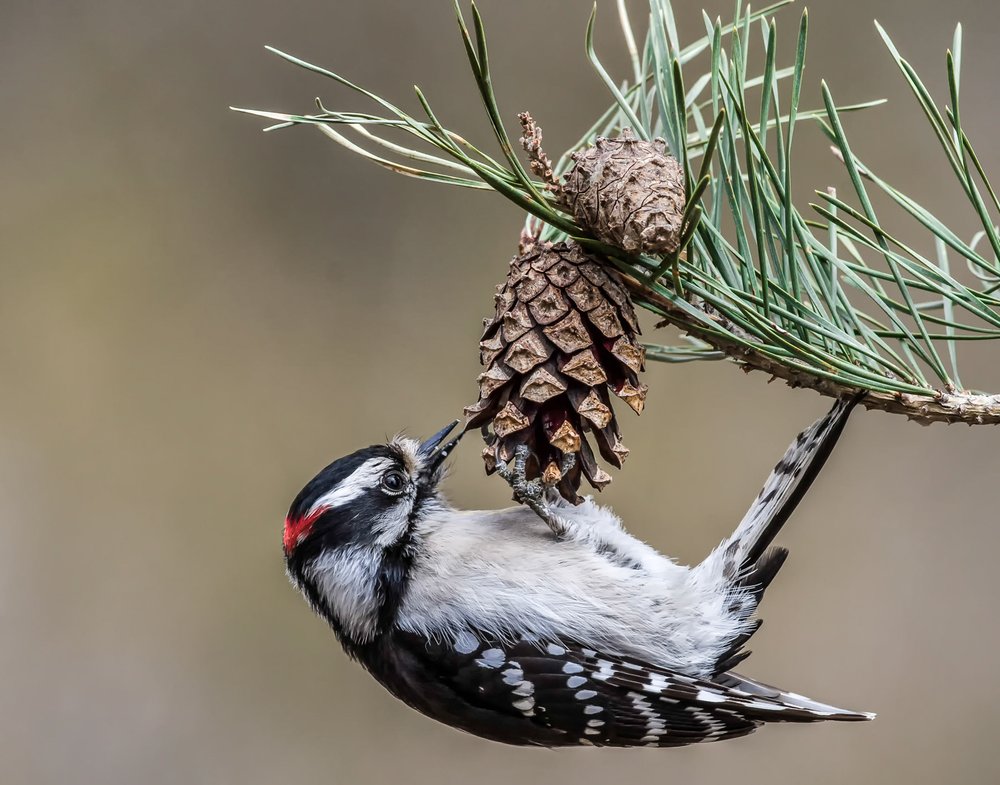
{"points": [[195, 317]]}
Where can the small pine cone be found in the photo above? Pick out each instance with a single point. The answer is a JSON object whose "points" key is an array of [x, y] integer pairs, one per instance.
{"points": [[628, 193], [563, 338]]}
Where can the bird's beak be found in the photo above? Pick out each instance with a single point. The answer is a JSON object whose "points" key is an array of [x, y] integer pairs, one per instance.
{"points": [[435, 449]]}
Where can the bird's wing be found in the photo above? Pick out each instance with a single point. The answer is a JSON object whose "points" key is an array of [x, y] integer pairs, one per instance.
{"points": [[594, 698]]}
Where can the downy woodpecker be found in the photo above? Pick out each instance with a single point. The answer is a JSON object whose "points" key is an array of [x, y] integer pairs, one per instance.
{"points": [[496, 624]]}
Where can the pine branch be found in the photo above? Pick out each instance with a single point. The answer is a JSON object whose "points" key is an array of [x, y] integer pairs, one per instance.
{"points": [[836, 302]]}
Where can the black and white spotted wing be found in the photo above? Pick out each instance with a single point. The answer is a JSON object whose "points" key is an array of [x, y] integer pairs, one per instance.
{"points": [[565, 695]]}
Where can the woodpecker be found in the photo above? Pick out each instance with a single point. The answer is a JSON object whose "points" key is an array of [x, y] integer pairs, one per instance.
{"points": [[497, 624]]}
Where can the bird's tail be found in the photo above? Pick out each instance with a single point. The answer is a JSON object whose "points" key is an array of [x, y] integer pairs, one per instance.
{"points": [[745, 561], [771, 704]]}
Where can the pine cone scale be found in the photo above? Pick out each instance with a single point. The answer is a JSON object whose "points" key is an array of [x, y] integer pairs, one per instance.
{"points": [[570, 334], [585, 295], [549, 306], [585, 368], [526, 352], [605, 319], [542, 385]]}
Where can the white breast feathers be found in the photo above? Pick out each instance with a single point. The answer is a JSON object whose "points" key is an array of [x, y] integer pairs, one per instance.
{"points": [[504, 574]]}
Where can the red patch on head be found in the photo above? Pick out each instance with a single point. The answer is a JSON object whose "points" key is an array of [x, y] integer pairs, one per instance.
{"points": [[297, 529]]}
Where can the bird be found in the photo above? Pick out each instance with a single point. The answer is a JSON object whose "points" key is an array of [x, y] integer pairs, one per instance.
{"points": [[497, 623]]}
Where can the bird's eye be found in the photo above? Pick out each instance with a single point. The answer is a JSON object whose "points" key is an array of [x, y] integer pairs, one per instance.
{"points": [[393, 482]]}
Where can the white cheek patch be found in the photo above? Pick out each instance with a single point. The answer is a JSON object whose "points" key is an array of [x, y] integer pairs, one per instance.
{"points": [[362, 479], [345, 578], [392, 524]]}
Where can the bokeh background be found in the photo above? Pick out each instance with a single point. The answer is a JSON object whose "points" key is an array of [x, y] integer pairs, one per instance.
{"points": [[195, 316]]}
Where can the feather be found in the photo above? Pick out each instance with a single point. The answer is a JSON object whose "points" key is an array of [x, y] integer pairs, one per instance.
{"points": [[591, 697]]}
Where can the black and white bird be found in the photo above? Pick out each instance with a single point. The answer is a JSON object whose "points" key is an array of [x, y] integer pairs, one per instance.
{"points": [[489, 622]]}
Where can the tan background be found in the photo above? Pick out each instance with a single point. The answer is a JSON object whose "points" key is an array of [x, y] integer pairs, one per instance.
{"points": [[194, 317]]}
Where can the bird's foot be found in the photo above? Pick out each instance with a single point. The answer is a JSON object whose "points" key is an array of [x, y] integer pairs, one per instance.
{"points": [[533, 493]]}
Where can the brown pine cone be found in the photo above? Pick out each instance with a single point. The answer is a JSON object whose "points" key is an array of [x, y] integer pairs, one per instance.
{"points": [[563, 338], [628, 193]]}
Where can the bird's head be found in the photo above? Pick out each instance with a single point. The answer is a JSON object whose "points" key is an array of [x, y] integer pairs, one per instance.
{"points": [[347, 538]]}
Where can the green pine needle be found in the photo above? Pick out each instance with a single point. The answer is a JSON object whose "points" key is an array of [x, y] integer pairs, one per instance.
{"points": [[836, 301]]}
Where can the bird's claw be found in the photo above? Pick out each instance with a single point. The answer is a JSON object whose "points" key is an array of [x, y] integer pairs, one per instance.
{"points": [[525, 491], [532, 493]]}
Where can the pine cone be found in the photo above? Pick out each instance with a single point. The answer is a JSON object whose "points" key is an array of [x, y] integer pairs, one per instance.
{"points": [[563, 336], [628, 193]]}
